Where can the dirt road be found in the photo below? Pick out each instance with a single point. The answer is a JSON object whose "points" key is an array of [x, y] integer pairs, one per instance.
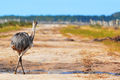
{"points": [[55, 57]]}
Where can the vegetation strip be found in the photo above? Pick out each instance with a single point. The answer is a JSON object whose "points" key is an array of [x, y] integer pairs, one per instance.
{"points": [[94, 31], [12, 26]]}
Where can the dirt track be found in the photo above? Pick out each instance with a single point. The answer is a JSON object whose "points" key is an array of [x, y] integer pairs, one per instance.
{"points": [[54, 54]]}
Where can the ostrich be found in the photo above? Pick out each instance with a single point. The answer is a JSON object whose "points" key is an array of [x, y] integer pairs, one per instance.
{"points": [[21, 42]]}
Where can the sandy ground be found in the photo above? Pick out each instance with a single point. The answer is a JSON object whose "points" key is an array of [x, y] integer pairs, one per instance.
{"points": [[53, 54]]}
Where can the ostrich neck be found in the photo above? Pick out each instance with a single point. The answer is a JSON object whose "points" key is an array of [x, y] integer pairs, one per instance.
{"points": [[33, 33]]}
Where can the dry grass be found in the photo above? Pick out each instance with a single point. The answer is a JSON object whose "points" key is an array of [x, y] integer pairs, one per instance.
{"points": [[9, 28], [91, 32], [94, 32]]}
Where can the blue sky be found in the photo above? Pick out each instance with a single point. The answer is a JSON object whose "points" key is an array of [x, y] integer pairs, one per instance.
{"points": [[59, 7]]}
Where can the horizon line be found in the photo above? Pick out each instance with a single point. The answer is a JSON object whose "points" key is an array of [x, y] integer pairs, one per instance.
{"points": [[54, 15]]}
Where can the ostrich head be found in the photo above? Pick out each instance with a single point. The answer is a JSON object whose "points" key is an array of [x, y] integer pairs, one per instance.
{"points": [[34, 24]]}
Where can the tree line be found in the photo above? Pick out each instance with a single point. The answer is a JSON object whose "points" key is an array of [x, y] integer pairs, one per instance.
{"points": [[67, 18]]}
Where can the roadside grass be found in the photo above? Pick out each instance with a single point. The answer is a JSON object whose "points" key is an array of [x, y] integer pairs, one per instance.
{"points": [[113, 46], [93, 32], [13, 25], [3, 36], [11, 28]]}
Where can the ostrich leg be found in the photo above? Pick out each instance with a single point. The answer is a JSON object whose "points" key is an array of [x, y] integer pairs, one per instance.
{"points": [[21, 64], [17, 66]]}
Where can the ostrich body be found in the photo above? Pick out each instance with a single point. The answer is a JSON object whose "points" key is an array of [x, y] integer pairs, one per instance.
{"points": [[21, 42]]}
